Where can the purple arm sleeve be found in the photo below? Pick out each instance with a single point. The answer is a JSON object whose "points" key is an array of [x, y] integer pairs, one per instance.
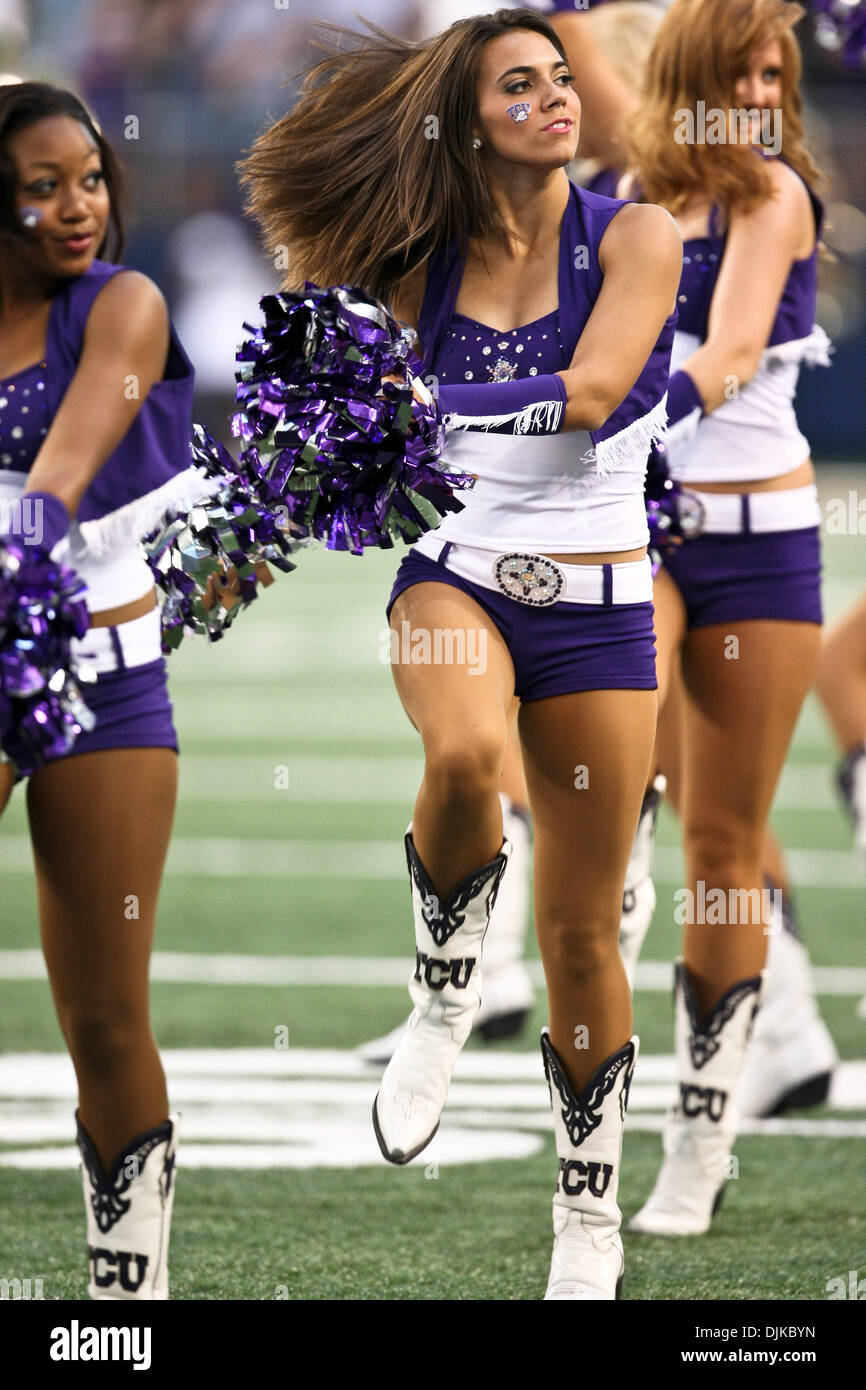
{"points": [[38, 518], [683, 397], [530, 405]]}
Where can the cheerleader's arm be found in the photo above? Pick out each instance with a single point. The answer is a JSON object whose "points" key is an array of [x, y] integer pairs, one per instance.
{"points": [[760, 250], [124, 353], [641, 256]]}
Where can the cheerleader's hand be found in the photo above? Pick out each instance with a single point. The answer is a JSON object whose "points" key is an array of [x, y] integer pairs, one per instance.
{"points": [[420, 390], [225, 588]]}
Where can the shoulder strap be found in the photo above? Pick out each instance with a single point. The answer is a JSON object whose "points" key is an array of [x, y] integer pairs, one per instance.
{"points": [[70, 310], [817, 205], [587, 218], [66, 324], [440, 296]]}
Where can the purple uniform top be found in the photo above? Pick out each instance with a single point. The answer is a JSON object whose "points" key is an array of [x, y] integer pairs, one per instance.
{"points": [[149, 469], [637, 419], [754, 435], [702, 261]]}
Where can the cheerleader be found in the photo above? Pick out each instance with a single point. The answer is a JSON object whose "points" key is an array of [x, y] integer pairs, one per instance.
{"points": [[740, 605], [432, 174], [95, 407]]}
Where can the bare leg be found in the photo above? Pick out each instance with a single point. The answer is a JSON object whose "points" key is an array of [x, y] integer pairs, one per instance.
{"points": [[462, 718], [7, 782], [841, 680], [582, 843], [100, 824], [670, 631], [513, 778], [739, 719], [669, 760]]}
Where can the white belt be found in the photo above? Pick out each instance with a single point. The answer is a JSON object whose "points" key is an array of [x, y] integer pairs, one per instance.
{"points": [[739, 513], [133, 643], [628, 582]]}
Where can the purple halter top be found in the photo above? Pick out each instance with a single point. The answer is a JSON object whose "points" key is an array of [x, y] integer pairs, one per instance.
{"points": [[457, 346], [136, 482], [702, 261], [24, 418]]}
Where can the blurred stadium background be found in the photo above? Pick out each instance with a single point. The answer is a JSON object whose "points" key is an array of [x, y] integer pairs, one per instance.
{"points": [[284, 936]]}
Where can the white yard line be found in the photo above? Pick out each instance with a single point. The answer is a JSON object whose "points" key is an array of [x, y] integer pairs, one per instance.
{"points": [[263, 1108], [214, 857], [194, 968]]}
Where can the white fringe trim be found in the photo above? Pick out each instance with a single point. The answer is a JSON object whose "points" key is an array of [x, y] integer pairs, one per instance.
{"points": [[130, 523], [814, 350], [684, 431], [634, 441], [542, 417]]}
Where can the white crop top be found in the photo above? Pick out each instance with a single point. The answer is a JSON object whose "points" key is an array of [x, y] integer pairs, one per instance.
{"points": [[541, 493], [755, 435], [120, 575]]}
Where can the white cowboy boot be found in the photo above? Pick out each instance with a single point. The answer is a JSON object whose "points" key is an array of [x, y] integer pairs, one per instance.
{"points": [[791, 1058], [508, 994], [700, 1131], [639, 894], [129, 1213], [508, 990], [587, 1260], [446, 992]]}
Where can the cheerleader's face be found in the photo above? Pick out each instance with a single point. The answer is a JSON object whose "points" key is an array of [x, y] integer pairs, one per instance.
{"points": [[759, 88], [542, 83], [61, 188]]}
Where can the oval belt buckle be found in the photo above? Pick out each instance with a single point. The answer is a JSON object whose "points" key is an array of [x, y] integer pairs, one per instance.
{"points": [[531, 579]]}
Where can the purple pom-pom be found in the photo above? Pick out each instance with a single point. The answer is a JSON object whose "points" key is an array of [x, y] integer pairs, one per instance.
{"points": [[229, 528], [671, 512], [355, 462], [42, 607]]}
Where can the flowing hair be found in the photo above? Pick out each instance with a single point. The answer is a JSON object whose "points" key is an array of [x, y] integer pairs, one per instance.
{"points": [[23, 104], [701, 49], [373, 169]]}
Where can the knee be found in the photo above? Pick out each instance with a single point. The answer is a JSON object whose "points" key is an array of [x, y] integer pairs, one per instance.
{"points": [[720, 850], [462, 767], [104, 1038], [580, 952]]}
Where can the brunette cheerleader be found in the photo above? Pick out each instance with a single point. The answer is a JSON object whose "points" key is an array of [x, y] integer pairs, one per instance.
{"points": [[432, 174]]}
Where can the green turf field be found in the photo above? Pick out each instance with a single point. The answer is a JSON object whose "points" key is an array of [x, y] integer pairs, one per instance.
{"points": [[285, 940]]}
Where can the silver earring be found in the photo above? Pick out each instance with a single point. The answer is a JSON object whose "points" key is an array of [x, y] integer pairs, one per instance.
{"points": [[476, 143]]}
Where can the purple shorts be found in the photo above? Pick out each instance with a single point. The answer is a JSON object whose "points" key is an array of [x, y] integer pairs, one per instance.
{"points": [[732, 578], [560, 649], [132, 710]]}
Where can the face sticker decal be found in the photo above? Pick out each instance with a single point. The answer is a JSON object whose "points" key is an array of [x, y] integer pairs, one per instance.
{"points": [[30, 217], [519, 111]]}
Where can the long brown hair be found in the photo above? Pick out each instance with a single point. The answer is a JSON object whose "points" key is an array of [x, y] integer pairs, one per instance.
{"points": [[374, 169], [699, 52]]}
